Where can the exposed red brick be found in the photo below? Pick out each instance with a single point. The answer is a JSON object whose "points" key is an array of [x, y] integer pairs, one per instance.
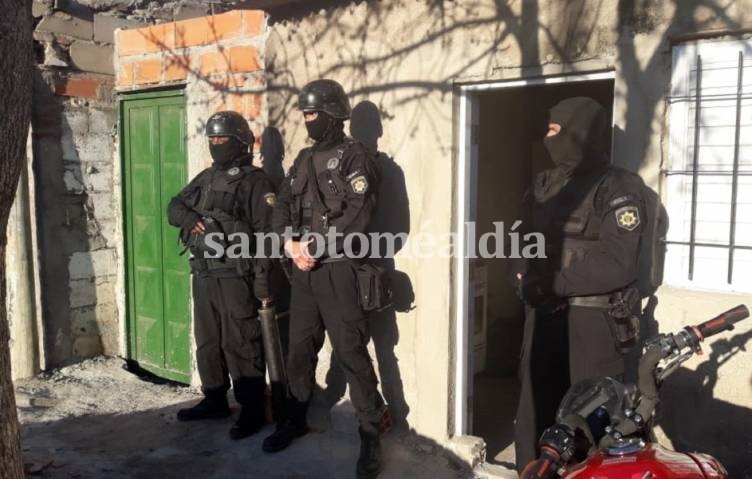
{"points": [[125, 75], [137, 41], [244, 59], [253, 21], [176, 67], [214, 62], [77, 87], [148, 71], [238, 59], [207, 30]]}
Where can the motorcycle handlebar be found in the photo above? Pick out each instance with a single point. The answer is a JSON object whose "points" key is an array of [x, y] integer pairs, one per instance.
{"points": [[666, 346], [722, 322]]}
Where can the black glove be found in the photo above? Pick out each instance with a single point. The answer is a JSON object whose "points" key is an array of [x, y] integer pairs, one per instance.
{"points": [[261, 287], [190, 220], [533, 290]]}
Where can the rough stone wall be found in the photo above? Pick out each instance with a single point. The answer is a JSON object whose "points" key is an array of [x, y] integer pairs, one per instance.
{"points": [[407, 57], [74, 121]]}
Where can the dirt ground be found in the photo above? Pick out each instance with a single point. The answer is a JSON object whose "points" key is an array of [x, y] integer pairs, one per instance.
{"points": [[97, 420]]}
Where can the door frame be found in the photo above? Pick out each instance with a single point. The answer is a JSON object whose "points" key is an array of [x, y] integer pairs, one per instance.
{"points": [[466, 168], [125, 196]]}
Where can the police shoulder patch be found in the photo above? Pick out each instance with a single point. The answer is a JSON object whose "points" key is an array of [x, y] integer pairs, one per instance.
{"points": [[271, 199], [359, 184], [628, 217], [233, 171]]}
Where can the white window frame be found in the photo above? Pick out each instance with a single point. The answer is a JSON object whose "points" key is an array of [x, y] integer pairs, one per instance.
{"points": [[681, 261]]}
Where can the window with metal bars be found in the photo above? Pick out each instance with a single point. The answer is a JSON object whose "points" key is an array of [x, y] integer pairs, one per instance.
{"points": [[709, 179]]}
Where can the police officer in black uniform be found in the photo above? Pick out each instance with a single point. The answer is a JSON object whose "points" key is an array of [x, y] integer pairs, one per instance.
{"points": [[581, 298], [330, 184], [231, 196]]}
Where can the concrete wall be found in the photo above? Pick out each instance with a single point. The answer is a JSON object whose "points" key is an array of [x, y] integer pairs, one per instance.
{"points": [[407, 56], [74, 121]]}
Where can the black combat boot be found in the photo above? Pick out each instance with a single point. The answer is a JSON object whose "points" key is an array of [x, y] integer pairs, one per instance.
{"points": [[249, 392], [369, 462], [291, 428], [213, 406]]}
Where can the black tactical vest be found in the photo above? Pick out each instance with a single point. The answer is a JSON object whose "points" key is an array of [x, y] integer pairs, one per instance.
{"points": [[219, 205], [570, 221], [318, 189]]}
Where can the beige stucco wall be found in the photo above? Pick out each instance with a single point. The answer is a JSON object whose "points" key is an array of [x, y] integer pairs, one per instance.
{"points": [[408, 56]]}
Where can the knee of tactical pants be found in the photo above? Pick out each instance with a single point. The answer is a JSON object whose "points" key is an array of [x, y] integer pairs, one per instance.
{"points": [[349, 342], [242, 347], [355, 360]]}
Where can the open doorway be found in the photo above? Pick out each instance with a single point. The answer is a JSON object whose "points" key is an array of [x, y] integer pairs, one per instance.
{"points": [[504, 151]]}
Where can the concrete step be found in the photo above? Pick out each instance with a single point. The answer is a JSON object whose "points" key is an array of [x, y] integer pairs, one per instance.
{"points": [[492, 471]]}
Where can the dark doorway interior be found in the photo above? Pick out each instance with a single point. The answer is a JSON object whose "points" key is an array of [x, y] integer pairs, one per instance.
{"points": [[511, 126]]}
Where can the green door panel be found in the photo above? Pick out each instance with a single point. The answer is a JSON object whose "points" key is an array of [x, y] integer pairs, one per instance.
{"points": [[154, 170], [174, 267]]}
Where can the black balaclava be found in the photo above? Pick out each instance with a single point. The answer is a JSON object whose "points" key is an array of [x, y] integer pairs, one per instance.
{"points": [[224, 154], [582, 144], [325, 130], [580, 148]]}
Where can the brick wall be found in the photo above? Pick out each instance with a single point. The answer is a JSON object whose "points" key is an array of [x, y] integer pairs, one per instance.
{"points": [[217, 59]]}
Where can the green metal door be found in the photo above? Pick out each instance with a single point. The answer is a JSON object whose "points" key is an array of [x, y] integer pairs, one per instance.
{"points": [[154, 170]]}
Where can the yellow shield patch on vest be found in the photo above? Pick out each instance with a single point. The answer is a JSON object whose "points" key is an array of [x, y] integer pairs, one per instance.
{"points": [[628, 217], [359, 184]]}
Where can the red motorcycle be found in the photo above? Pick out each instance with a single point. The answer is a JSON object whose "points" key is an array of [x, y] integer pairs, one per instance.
{"points": [[604, 428]]}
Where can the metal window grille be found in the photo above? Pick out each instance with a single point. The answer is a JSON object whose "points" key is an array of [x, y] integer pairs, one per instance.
{"points": [[695, 170]]}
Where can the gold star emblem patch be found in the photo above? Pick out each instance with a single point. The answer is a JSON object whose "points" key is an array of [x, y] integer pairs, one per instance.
{"points": [[271, 199], [628, 218], [359, 184]]}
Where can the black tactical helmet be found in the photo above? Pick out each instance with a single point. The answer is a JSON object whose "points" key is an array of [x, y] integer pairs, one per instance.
{"points": [[327, 96], [229, 123]]}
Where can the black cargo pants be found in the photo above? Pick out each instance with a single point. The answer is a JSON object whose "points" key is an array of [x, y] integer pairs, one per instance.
{"points": [[559, 349], [228, 335], [326, 299]]}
